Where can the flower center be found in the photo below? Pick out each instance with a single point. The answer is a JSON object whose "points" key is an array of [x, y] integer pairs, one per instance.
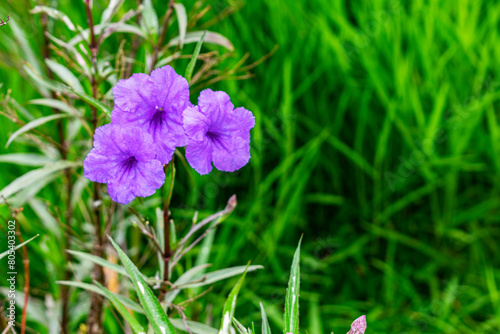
{"points": [[129, 164], [213, 136], [157, 120]]}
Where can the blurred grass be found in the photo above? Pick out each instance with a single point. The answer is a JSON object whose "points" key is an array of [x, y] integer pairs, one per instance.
{"points": [[377, 138]]}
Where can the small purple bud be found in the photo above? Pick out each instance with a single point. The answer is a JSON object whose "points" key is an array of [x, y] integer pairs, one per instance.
{"points": [[358, 326]]}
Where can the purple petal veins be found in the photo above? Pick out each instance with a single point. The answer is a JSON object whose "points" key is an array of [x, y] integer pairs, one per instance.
{"points": [[217, 133], [124, 158]]}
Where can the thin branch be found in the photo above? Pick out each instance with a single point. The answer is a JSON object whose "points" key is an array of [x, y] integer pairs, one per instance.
{"points": [[163, 33], [2, 22]]}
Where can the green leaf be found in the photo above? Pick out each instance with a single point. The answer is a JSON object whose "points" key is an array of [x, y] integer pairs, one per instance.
{"points": [[90, 100], [192, 62], [33, 124], [182, 19], [65, 74], [210, 38], [55, 104], [98, 260], [149, 21], [26, 159], [292, 295], [127, 302], [195, 327], [55, 14], [184, 278], [134, 324], [112, 8], [107, 30], [154, 312], [266, 329], [230, 305], [239, 327], [43, 83], [4, 254], [30, 55], [35, 176], [219, 275]]}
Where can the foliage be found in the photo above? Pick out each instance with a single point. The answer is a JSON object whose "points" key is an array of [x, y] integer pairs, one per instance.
{"points": [[376, 137]]}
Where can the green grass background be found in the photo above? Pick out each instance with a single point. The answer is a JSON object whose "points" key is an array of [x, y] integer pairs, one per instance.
{"points": [[377, 138]]}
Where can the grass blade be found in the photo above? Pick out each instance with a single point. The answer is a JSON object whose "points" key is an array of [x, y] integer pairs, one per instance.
{"points": [[266, 329], [134, 324], [98, 260], [180, 11], [192, 62], [4, 254], [26, 159], [154, 312], [90, 100], [292, 296], [219, 275], [65, 74], [127, 302], [230, 305], [33, 124], [35, 176]]}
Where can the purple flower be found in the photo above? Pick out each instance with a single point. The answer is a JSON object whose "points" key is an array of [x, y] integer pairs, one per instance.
{"points": [[358, 326], [217, 133], [124, 158], [154, 104]]}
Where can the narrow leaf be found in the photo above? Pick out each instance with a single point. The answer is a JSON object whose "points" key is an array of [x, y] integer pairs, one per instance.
{"points": [[149, 20], [55, 14], [90, 100], [230, 305], [127, 302], [210, 38], [182, 19], [65, 74], [219, 275], [53, 103], [134, 324], [98, 260], [266, 329], [292, 295], [4, 254], [195, 327], [26, 159], [192, 62], [33, 124], [112, 8], [154, 312], [35, 176]]}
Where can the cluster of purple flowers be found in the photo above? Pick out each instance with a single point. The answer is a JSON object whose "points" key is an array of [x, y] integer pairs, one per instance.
{"points": [[151, 118]]}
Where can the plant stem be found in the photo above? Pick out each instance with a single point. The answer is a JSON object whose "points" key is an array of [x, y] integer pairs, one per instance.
{"points": [[63, 151], [167, 253], [163, 34], [94, 321]]}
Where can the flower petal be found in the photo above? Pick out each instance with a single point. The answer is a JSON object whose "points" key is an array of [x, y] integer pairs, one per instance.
{"points": [[98, 167], [215, 105], [230, 153], [173, 89], [150, 177], [241, 122], [196, 123], [133, 141], [134, 93], [199, 156]]}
